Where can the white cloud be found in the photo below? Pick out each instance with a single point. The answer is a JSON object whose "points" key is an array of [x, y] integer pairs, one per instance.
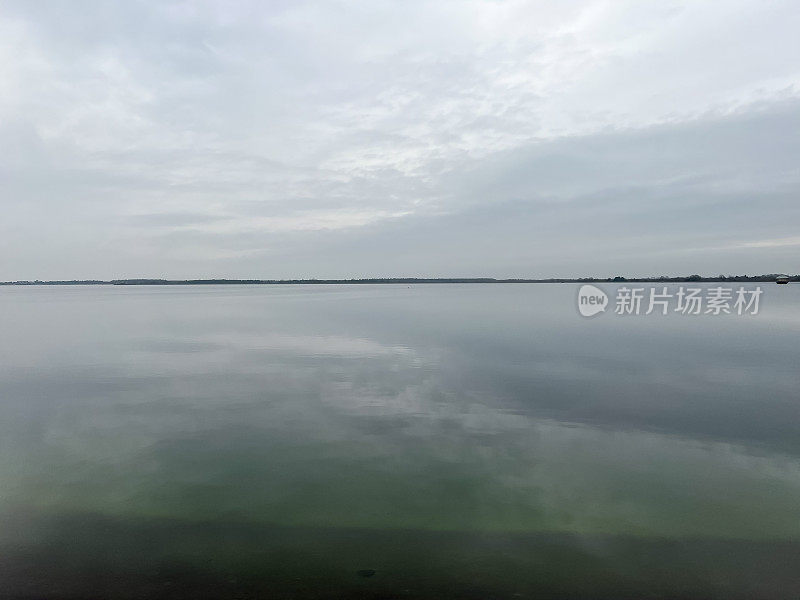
{"points": [[792, 241], [289, 117]]}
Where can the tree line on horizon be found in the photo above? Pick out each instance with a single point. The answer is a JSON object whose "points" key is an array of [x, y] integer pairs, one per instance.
{"points": [[407, 280]]}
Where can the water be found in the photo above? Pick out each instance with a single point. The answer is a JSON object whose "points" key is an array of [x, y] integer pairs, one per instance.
{"points": [[462, 441]]}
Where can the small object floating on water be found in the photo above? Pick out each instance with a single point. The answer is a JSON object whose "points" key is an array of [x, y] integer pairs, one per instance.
{"points": [[365, 572], [782, 279]]}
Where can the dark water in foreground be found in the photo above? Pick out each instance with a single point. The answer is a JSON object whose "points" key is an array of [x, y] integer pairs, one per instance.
{"points": [[462, 441]]}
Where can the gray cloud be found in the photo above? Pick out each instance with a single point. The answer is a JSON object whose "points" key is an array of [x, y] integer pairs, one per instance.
{"points": [[172, 219], [325, 139]]}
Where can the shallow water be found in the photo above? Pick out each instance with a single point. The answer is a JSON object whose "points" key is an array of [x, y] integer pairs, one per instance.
{"points": [[461, 440]]}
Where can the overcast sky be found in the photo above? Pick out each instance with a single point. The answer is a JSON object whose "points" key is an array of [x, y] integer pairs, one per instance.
{"points": [[406, 138]]}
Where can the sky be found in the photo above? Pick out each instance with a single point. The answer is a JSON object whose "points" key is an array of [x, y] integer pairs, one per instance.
{"points": [[398, 138]]}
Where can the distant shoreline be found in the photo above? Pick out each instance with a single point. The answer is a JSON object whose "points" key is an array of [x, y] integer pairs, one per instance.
{"points": [[408, 280]]}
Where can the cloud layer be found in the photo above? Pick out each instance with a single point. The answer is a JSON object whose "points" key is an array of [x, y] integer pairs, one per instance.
{"points": [[302, 139]]}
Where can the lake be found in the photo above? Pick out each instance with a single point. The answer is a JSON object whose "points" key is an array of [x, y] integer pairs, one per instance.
{"points": [[394, 441]]}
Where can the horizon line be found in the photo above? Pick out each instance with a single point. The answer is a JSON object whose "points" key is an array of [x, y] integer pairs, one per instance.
{"points": [[400, 280]]}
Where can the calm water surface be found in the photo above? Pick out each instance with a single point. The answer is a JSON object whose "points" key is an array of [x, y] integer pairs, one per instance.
{"points": [[462, 441]]}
